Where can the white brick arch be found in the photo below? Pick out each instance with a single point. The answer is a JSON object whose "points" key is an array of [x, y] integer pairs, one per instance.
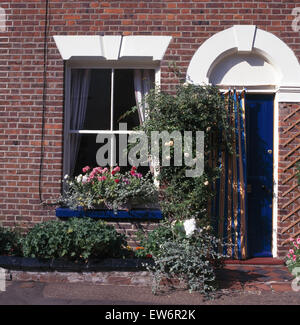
{"points": [[280, 67]]}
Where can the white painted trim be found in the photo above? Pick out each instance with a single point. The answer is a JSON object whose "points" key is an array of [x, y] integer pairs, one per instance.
{"points": [[146, 47], [92, 63], [142, 48], [289, 94], [66, 154], [104, 132], [243, 38], [275, 176], [80, 46]]}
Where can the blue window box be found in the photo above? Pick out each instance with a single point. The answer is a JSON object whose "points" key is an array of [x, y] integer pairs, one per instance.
{"points": [[142, 214]]}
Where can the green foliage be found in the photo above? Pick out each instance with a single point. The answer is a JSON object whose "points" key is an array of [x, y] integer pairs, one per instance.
{"points": [[151, 241], [74, 239], [192, 108], [192, 258], [9, 242], [103, 188], [293, 257]]}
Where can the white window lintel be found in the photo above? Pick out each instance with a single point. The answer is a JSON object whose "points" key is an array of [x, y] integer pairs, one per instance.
{"points": [[147, 48]]}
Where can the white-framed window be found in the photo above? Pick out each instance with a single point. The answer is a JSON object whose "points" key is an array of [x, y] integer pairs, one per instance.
{"points": [[96, 97], [109, 68]]}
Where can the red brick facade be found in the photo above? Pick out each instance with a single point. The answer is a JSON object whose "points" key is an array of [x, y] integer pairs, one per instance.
{"points": [[288, 189], [24, 96]]}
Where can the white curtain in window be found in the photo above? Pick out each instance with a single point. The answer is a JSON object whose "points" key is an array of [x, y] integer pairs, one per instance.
{"points": [[80, 84], [143, 82], [142, 85]]}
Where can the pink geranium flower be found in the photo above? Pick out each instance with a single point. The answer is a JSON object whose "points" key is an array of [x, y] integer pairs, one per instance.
{"points": [[86, 169], [96, 170]]}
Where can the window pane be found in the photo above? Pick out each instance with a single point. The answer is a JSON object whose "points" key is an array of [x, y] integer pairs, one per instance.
{"points": [[88, 151], [124, 98], [98, 107], [98, 113]]}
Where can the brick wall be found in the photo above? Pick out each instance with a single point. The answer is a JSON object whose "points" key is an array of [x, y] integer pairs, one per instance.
{"points": [[22, 75], [130, 229], [288, 189]]}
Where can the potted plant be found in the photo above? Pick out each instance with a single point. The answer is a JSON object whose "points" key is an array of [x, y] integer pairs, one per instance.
{"points": [[103, 192]]}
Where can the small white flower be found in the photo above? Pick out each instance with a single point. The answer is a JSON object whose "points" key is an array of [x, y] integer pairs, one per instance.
{"points": [[206, 183], [66, 176], [79, 178], [84, 179], [189, 226], [186, 154]]}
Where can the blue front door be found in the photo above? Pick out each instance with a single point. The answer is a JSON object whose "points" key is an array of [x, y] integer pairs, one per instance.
{"points": [[259, 132]]}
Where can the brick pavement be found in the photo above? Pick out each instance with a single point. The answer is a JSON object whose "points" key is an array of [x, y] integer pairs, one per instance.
{"points": [[234, 276], [252, 275]]}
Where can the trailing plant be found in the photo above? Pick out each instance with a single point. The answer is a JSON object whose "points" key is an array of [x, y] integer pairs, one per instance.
{"points": [[191, 254], [10, 242], [75, 239], [104, 188], [293, 256], [193, 108]]}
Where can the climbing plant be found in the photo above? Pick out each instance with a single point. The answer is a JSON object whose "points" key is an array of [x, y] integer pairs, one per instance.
{"points": [[192, 108]]}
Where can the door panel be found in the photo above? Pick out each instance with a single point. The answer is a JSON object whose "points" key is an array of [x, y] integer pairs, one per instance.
{"points": [[259, 128]]}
